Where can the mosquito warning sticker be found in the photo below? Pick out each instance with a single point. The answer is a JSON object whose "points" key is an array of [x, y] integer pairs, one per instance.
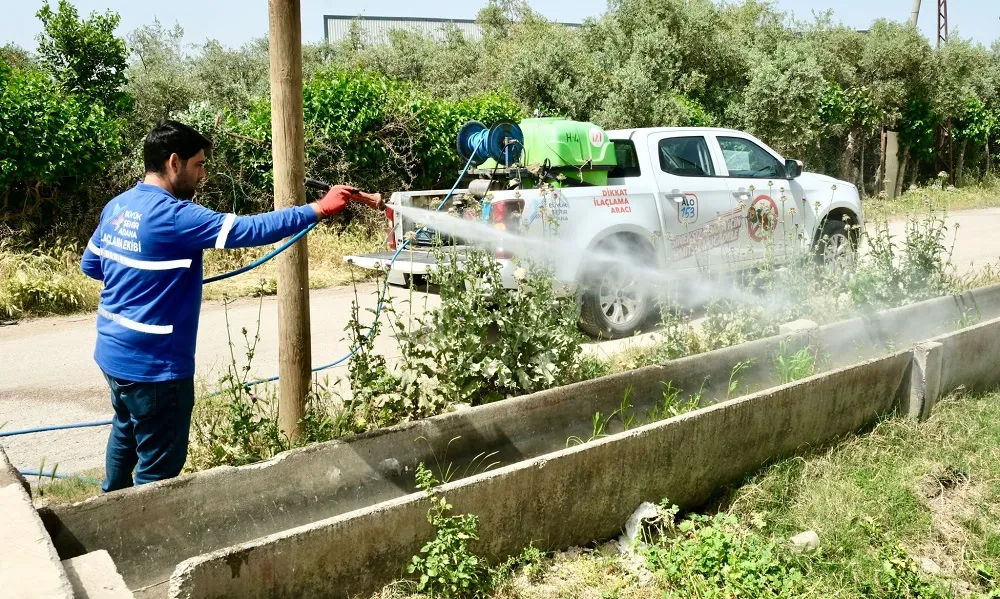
{"points": [[762, 218]]}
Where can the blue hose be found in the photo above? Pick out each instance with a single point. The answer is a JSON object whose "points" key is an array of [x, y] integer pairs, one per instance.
{"points": [[57, 427], [264, 259], [88, 480]]}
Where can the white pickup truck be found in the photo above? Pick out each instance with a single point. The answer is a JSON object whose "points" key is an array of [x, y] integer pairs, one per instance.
{"points": [[679, 199]]}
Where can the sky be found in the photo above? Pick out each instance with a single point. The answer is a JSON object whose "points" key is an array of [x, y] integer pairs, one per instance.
{"points": [[234, 22]]}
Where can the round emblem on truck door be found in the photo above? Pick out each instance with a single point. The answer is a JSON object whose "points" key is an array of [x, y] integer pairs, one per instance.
{"points": [[762, 218], [596, 137]]}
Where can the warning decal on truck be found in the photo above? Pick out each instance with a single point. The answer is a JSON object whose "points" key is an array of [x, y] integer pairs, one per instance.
{"points": [[615, 199]]}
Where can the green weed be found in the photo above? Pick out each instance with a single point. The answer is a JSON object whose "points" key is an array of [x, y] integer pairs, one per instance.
{"points": [[445, 566], [795, 366], [672, 405], [713, 556], [599, 425]]}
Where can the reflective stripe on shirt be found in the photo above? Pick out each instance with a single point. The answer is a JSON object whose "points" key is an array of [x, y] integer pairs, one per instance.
{"points": [[227, 225], [128, 323], [140, 264]]}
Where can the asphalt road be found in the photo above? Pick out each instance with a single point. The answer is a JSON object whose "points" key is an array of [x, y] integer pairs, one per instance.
{"points": [[47, 374]]}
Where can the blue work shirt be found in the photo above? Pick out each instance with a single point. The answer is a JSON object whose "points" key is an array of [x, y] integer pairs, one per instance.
{"points": [[148, 251]]}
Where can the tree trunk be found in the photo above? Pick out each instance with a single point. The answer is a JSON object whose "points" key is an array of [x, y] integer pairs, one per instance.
{"points": [[846, 162], [989, 157], [861, 177], [898, 183], [960, 165], [288, 154], [880, 173]]}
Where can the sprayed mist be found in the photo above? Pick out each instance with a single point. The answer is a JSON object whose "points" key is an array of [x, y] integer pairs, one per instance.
{"points": [[888, 275], [689, 290]]}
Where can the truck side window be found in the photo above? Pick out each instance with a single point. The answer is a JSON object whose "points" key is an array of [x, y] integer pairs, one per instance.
{"points": [[746, 159], [686, 157], [627, 160]]}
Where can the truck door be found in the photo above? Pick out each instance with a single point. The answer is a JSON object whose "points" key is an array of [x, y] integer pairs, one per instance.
{"points": [[700, 223], [756, 179]]}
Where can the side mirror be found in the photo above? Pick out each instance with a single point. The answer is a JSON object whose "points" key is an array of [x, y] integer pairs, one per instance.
{"points": [[793, 168]]}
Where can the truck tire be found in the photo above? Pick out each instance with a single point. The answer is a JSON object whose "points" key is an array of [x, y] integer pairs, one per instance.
{"points": [[616, 302], [835, 245]]}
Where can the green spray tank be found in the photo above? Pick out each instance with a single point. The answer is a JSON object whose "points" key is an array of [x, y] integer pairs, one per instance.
{"points": [[560, 151]]}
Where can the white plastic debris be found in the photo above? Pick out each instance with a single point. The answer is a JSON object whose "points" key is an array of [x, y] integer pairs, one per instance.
{"points": [[645, 511], [805, 542]]}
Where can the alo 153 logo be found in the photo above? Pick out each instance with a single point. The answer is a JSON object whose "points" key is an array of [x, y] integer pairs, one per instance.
{"points": [[687, 211]]}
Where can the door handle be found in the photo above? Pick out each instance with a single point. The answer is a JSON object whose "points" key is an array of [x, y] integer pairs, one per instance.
{"points": [[742, 194], [676, 195]]}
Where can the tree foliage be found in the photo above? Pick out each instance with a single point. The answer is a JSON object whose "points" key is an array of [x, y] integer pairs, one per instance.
{"points": [[384, 116], [84, 55], [49, 141]]}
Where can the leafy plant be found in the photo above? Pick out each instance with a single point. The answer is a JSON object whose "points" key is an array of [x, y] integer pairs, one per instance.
{"points": [[81, 140], [734, 377], [900, 575], [671, 405], [84, 55], [598, 426], [712, 556], [445, 566], [373, 386], [447, 471], [238, 423], [794, 366], [624, 411], [728, 322], [484, 342]]}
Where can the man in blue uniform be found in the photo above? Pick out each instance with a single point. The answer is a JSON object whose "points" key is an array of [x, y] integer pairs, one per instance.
{"points": [[148, 252]]}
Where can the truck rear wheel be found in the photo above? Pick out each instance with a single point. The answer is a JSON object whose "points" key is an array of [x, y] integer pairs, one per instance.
{"points": [[617, 300]]}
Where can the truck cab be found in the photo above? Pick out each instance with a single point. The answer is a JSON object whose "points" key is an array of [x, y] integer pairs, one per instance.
{"points": [[676, 203]]}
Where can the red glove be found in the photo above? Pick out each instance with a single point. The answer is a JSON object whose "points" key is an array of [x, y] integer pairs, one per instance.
{"points": [[335, 200]]}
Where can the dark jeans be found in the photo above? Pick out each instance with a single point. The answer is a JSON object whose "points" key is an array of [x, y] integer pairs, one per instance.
{"points": [[149, 432]]}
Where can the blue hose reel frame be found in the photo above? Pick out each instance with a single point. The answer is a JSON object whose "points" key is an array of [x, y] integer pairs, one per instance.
{"points": [[503, 142]]}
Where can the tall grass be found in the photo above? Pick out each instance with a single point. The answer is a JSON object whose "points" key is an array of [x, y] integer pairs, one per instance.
{"points": [[45, 281], [981, 194]]}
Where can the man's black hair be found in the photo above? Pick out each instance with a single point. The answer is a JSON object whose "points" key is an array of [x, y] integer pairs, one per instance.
{"points": [[170, 137]]}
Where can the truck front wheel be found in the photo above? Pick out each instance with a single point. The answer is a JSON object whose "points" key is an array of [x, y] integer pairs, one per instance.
{"points": [[836, 246], [617, 299]]}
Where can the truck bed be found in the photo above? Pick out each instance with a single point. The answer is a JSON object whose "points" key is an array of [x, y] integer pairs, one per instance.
{"points": [[416, 261]]}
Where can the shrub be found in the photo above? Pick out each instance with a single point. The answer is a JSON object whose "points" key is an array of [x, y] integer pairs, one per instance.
{"points": [[484, 342], [51, 144]]}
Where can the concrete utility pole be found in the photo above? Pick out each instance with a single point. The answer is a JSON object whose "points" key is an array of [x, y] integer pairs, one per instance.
{"points": [[915, 13], [288, 151]]}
